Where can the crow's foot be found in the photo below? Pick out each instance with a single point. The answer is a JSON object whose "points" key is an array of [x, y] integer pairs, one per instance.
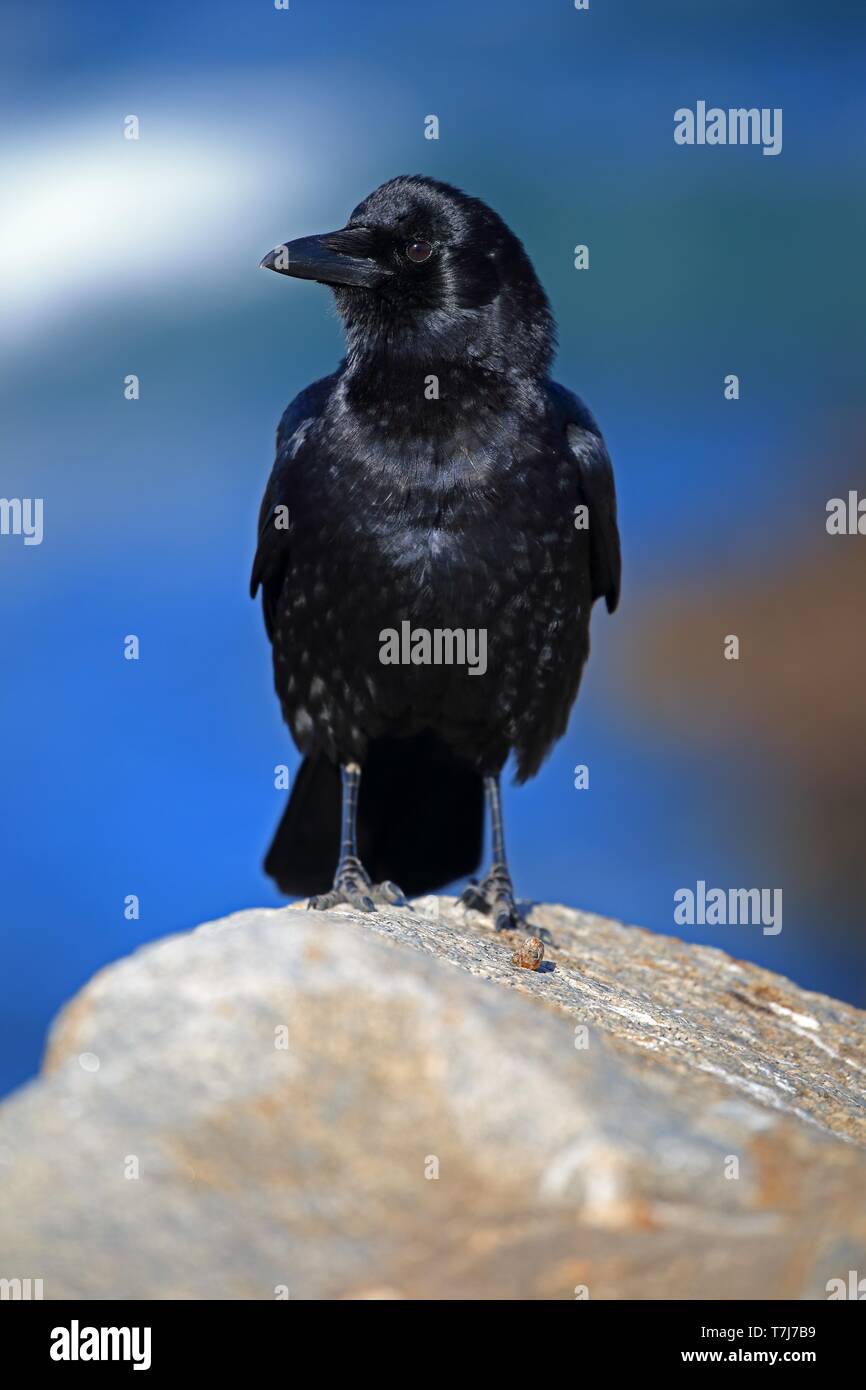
{"points": [[495, 896], [352, 885]]}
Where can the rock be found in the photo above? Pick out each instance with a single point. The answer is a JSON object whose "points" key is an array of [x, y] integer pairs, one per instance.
{"points": [[341, 1106], [529, 954]]}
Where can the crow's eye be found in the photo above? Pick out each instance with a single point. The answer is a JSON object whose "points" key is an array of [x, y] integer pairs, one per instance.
{"points": [[419, 251]]}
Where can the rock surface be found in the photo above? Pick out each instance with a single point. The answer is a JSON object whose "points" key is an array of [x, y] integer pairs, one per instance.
{"points": [[336, 1105]]}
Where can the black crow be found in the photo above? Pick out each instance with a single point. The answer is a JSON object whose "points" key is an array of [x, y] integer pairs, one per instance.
{"points": [[439, 520]]}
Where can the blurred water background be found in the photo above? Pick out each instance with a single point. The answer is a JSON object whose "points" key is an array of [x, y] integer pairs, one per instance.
{"points": [[156, 777]]}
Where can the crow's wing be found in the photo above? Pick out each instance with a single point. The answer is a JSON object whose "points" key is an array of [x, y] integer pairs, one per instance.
{"points": [[597, 489], [271, 563]]}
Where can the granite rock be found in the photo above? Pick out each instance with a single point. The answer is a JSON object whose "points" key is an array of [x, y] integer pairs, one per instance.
{"points": [[348, 1106]]}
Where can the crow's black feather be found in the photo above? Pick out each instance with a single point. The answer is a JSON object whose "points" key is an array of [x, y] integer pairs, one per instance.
{"points": [[433, 478]]}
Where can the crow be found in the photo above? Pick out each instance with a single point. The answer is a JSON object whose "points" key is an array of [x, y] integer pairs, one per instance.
{"points": [[440, 518]]}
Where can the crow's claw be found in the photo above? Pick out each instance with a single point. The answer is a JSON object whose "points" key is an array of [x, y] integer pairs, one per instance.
{"points": [[495, 896], [352, 885]]}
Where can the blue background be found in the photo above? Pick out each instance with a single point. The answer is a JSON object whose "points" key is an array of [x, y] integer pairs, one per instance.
{"points": [[156, 777]]}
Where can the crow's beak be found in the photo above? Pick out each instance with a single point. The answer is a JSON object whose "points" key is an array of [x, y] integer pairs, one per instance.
{"points": [[335, 258]]}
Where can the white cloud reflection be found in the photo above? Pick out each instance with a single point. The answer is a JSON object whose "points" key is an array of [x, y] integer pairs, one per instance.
{"points": [[89, 217]]}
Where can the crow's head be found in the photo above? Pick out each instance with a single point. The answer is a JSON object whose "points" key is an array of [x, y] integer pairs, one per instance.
{"points": [[425, 271]]}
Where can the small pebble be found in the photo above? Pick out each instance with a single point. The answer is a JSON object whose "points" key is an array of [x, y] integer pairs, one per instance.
{"points": [[529, 955]]}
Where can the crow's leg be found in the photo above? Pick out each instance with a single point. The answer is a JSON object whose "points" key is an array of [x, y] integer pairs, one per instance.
{"points": [[352, 883], [495, 892]]}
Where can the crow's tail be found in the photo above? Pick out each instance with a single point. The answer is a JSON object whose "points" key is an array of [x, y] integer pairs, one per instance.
{"points": [[420, 819]]}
